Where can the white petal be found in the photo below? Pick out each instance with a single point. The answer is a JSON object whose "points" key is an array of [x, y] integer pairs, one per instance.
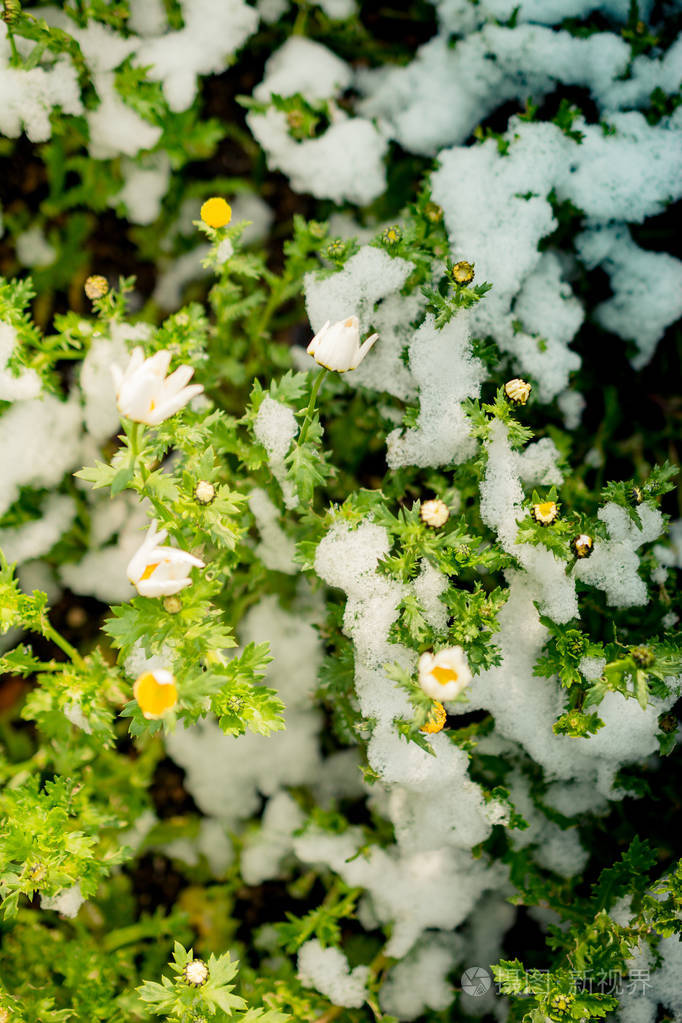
{"points": [[362, 352], [316, 340], [162, 587], [177, 380]]}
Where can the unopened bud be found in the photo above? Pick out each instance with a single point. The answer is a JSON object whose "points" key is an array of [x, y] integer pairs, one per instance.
{"points": [[195, 973], [517, 391], [96, 286], [204, 492], [462, 273], [433, 212]]}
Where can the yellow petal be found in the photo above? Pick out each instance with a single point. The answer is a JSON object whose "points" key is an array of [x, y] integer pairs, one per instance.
{"points": [[436, 719]]}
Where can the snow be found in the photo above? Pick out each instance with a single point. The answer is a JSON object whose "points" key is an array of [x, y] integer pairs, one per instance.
{"points": [[446, 374], [14, 386], [39, 442], [346, 161], [35, 538], [327, 970], [29, 97], [67, 902], [212, 33], [275, 427]]}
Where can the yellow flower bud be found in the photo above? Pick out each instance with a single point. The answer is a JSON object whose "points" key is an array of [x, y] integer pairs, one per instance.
{"points": [[517, 391], [582, 545], [96, 286], [215, 212], [462, 272], [545, 513]]}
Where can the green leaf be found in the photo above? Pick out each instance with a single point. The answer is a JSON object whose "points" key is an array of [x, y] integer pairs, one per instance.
{"points": [[121, 480]]}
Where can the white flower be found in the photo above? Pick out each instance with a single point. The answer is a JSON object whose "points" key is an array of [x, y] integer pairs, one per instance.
{"points": [[160, 571], [444, 675], [145, 394], [338, 347]]}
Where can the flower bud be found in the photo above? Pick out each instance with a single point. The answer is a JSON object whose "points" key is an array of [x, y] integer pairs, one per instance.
{"points": [[96, 286], [560, 1006], [337, 346], [392, 235], [11, 11], [172, 605], [195, 973], [336, 249], [517, 391], [434, 513], [216, 212], [582, 545], [37, 872], [433, 212], [545, 513], [462, 273], [642, 656], [204, 492]]}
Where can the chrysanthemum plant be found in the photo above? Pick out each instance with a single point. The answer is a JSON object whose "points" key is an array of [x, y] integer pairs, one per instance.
{"points": [[77, 775]]}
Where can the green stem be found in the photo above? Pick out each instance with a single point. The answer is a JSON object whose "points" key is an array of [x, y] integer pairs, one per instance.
{"points": [[49, 632], [270, 307], [301, 19], [135, 434], [314, 391], [15, 59]]}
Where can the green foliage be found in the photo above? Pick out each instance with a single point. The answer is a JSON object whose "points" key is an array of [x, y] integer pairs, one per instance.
{"points": [[446, 304], [631, 493], [482, 414], [183, 1002], [53, 837], [94, 800], [322, 923]]}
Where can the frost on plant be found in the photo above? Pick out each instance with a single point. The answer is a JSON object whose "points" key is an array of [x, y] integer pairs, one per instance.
{"points": [[339, 540]]}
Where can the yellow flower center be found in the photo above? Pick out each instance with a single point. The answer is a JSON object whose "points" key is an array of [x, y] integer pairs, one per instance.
{"points": [[444, 675], [149, 570], [215, 212], [546, 509], [348, 323], [154, 698]]}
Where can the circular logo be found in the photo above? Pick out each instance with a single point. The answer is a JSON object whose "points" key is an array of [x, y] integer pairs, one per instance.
{"points": [[476, 981]]}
